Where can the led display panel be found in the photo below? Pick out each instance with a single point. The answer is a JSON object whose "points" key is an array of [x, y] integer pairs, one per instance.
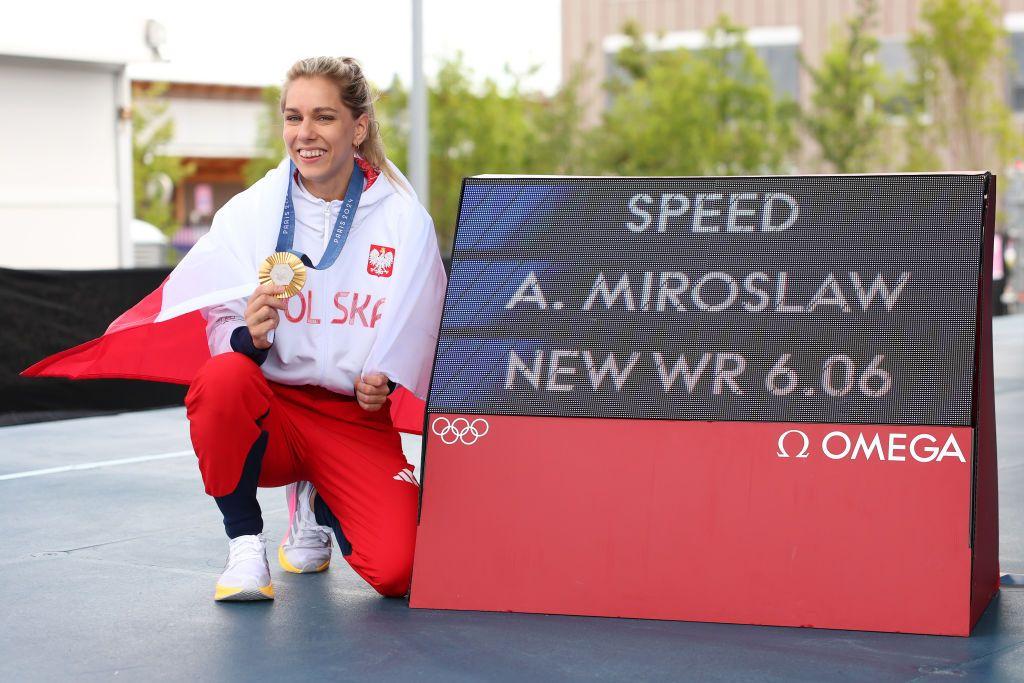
{"points": [[834, 299]]}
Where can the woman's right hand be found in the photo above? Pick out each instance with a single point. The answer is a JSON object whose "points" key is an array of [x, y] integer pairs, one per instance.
{"points": [[261, 315]]}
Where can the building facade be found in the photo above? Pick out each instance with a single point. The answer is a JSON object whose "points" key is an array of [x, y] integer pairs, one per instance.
{"points": [[779, 30]]}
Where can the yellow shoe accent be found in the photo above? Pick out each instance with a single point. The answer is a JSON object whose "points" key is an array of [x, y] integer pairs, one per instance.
{"points": [[234, 593], [224, 592], [289, 567]]}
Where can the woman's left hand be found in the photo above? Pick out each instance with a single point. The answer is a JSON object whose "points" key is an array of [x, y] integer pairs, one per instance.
{"points": [[372, 391]]}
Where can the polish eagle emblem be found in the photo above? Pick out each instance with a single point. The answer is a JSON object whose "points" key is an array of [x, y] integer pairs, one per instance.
{"points": [[381, 261]]}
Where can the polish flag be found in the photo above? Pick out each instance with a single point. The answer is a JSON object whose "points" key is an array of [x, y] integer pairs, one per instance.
{"points": [[136, 346], [163, 337]]}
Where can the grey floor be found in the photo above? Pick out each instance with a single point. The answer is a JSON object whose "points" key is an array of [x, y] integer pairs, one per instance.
{"points": [[108, 571]]}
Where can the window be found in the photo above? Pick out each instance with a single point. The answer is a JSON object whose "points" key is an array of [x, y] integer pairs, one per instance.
{"points": [[1015, 72], [1014, 25], [895, 58], [898, 65], [783, 62], [777, 46]]}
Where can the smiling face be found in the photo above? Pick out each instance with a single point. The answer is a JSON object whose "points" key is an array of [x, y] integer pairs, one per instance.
{"points": [[321, 134]]}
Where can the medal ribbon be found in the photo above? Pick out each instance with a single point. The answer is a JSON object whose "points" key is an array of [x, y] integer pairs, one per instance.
{"points": [[286, 237]]}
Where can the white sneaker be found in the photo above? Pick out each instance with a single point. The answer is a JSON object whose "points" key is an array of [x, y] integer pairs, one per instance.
{"points": [[247, 574], [306, 548]]}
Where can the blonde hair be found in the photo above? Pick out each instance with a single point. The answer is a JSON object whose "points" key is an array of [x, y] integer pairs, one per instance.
{"points": [[357, 95]]}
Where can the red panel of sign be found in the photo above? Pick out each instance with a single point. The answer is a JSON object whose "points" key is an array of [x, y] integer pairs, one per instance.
{"points": [[837, 526]]}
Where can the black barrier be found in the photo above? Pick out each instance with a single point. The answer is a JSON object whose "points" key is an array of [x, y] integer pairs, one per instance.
{"points": [[48, 311], [816, 299]]}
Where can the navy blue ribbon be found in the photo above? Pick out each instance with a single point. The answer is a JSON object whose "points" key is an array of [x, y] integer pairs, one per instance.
{"points": [[286, 237]]}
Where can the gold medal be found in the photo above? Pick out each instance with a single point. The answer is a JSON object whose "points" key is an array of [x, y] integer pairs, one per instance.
{"points": [[284, 269]]}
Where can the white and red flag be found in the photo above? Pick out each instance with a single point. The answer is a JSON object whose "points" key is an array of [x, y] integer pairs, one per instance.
{"points": [[163, 337]]}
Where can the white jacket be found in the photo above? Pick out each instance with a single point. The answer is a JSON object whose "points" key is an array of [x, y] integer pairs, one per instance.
{"points": [[366, 313]]}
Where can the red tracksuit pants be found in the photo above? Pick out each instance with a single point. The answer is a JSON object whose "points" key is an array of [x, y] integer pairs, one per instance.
{"points": [[353, 457]]}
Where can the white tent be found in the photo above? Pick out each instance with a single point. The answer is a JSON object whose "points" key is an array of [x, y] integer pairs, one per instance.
{"points": [[149, 244]]}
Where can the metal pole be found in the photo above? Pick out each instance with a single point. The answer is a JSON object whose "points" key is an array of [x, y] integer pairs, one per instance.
{"points": [[125, 170], [419, 167]]}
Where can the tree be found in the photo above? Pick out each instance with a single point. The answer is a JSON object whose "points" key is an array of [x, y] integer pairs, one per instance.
{"points": [[710, 111], [392, 108], [958, 55], [846, 117], [155, 174], [482, 128], [269, 141]]}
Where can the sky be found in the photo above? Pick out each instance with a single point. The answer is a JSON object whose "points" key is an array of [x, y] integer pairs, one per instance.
{"points": [[254, 43]]}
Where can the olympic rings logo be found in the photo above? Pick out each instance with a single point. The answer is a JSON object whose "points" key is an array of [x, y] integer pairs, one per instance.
{"points": [[460, 429]]}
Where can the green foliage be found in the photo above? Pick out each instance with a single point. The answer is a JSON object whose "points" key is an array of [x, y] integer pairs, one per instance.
{"points": [[632, 61], [482, 128], [485, 131], [693, 112], [846, 117], [958, 51], [154, 174], [393, 115], [270, 141]]}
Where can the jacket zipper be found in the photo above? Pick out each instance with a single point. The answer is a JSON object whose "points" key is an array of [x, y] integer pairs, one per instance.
{"points": [[325, 331]]}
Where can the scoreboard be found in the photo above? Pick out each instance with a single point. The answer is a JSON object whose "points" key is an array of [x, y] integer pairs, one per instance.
{"points": [[821, 299], [837, 320]]}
